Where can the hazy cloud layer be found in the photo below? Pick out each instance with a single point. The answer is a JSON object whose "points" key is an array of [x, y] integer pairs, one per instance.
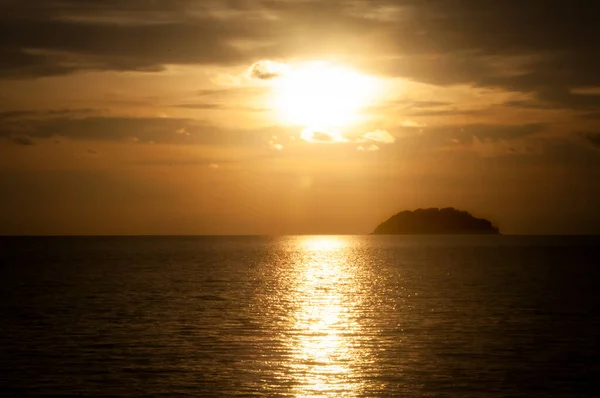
{"points": [[26, 127], [483, 138], [158, 130]]}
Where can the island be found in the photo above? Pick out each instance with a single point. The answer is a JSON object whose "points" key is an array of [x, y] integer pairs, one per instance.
{"points": [[447, 221]]}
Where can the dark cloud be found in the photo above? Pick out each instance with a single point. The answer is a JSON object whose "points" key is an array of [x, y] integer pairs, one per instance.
{"points": [[428, 104], [527, 104], [57, 37], [488, 133], [446, 112], [24, 114], [592, 138], [219, 106], [551, 94], [562, 97], [593, 115], [100, 128], [229, 92], [22, 140], [414, 104], [541, 47], [441, 136], [93, 152], [510, 26], [142, 130], [559, 99], [445, 68], [200, 106]]}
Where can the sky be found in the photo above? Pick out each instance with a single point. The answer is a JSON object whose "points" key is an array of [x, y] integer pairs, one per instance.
{"points": [[296, 116]]}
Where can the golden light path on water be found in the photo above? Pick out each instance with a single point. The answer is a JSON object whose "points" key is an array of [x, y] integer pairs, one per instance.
{"points": [[325, 325]]}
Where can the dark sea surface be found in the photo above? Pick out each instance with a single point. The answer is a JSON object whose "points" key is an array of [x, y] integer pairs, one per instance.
{"points": [[351, 316]]}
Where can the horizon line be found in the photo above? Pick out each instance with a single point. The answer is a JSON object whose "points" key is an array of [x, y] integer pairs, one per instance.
{"points": [[270, 235]]}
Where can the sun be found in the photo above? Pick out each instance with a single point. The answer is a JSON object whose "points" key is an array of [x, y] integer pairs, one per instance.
{"points": [[321, 95]]}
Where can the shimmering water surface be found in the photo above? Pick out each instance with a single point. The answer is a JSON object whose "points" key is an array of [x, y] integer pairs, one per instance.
{"points": [[352, 316]]}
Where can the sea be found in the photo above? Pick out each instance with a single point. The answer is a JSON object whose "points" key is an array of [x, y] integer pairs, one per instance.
{"points": [[300, 316]]}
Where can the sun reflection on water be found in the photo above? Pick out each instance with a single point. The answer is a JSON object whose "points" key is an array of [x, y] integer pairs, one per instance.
{"points": [[323, 243], [322, 350]]}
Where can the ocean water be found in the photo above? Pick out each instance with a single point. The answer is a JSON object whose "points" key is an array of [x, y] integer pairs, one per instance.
{"points": [[300, 316]]}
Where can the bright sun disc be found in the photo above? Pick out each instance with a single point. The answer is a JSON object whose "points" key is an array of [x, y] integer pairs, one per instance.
{"points": [[319, 94]]}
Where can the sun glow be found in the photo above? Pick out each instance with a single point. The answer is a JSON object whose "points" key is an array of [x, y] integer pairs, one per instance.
{"points": [[322, 96]]}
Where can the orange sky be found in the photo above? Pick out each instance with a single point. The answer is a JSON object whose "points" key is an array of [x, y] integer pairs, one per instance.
{"points": [[289, 116]]}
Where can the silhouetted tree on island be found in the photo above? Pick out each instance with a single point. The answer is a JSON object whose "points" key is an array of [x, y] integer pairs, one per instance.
{"points": [[435, 221]]}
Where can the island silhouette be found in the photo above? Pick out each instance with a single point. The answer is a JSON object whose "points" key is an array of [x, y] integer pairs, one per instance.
{"points": [[446, 221]]}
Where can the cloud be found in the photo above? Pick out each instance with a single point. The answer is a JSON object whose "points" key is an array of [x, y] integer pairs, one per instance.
{"points": [[273, 145], [48, 113], [207, 106], [484, 139], [141, 130], [213, 166], [429, 104], [420, 104], [366, 141], [447, 112], [592, 138], [22, 140], [93, 152], [379, 136], [557, 97], [312, 135], [58, 37], [163, 131], [367, 148], [322, 137], [318, 136], [487, 133], [182, 131], [467, 42], [412, 123], [267, 70]]}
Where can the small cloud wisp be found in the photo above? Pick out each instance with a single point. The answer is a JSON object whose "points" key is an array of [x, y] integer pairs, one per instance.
{"points": [[267, 70]]}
